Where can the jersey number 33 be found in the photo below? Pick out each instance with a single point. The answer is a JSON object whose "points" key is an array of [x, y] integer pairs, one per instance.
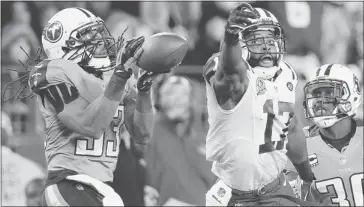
{"points": [[96, 147]]}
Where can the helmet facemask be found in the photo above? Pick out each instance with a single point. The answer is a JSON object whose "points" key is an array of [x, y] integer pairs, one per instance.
{"points": [[93, 47], [326, 101], [263, 40]]}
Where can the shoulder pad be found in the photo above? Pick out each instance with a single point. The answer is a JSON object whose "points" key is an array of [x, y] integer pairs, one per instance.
{"points": [[53, 72], [285, 66], [210, 66]]}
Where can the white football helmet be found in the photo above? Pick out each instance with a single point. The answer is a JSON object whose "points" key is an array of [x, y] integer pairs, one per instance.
{"points": [[78, 35], [334, 86], [266, 21]]}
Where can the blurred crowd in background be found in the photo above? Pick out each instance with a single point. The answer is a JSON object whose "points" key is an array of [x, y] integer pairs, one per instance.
{"points": [[172, 170]]}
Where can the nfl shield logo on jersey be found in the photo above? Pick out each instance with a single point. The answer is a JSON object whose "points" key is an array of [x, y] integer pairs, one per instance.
{"points": [[290, 86], [261, 89], [221, 192]]}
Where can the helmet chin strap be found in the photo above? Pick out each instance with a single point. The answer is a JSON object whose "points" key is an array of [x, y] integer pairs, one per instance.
{"points": [[86, 58], [89, 63], [99, 62], [73, 55], [328, 121]]}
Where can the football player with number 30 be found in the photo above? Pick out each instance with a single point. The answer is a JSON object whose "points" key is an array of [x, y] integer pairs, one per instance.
{"points": [[252, 127], [82, 112], [335, 141]]}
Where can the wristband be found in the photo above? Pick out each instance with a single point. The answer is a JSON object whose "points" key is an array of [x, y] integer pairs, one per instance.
{"points": [[304, 170], [122, 73], [115, 87], [230, 38]]}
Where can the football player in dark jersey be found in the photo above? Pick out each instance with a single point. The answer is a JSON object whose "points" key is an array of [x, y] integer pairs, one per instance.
{"points": [[83, 112]]}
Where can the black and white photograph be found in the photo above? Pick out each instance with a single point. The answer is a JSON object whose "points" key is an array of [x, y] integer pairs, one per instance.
{"points": [[182, 103]]}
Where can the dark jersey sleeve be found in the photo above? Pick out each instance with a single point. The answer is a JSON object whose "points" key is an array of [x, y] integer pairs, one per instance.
{"points": [[51, 89]]}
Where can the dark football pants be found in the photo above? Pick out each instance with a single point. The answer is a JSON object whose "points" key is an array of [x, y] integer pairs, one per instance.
{"points": [[71, 193]]}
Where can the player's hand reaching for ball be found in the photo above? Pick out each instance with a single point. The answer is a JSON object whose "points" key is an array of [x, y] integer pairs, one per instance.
{"points": [[131, 48], [145, 80], [127, 56], [240, 17], [127, 61]]}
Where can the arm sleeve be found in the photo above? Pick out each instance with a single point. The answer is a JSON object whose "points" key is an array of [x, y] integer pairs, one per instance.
{"points": [[143, 118], [297, 151], [154, 165], [65, 97]]}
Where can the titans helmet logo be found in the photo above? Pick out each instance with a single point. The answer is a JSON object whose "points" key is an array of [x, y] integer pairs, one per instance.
{"points": [[54, 32]]}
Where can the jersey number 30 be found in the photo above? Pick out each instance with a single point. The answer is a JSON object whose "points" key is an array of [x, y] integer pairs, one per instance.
{"points": [[95, 147], [337, 184]]}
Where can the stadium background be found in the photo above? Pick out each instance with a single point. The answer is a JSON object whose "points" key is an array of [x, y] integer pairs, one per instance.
{"points": [[317, 32]]}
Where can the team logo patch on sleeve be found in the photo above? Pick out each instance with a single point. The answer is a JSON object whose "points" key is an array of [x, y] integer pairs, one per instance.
{"points": [[79, 187], [38, 77], [313, 160], [35, 78], [290, 86]]}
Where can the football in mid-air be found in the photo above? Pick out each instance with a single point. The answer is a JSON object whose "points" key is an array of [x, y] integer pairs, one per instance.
{"points": [[162, 52]]}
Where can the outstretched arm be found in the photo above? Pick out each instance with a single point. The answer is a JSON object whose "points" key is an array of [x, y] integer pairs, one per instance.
{"points": [[297, 151], [92, 119], [140, 122], [231, 67], [230, 61], [80, 106], [143, 118]]}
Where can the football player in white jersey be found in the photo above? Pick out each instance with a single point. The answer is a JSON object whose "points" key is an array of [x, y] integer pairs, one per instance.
{"points": [[250, 98], [335, 143]]}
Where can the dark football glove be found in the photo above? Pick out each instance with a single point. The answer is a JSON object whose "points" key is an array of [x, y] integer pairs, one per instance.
{"points": [[145, 80], [131, 47], [239, 18], [128, 56], [310, 193]]}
